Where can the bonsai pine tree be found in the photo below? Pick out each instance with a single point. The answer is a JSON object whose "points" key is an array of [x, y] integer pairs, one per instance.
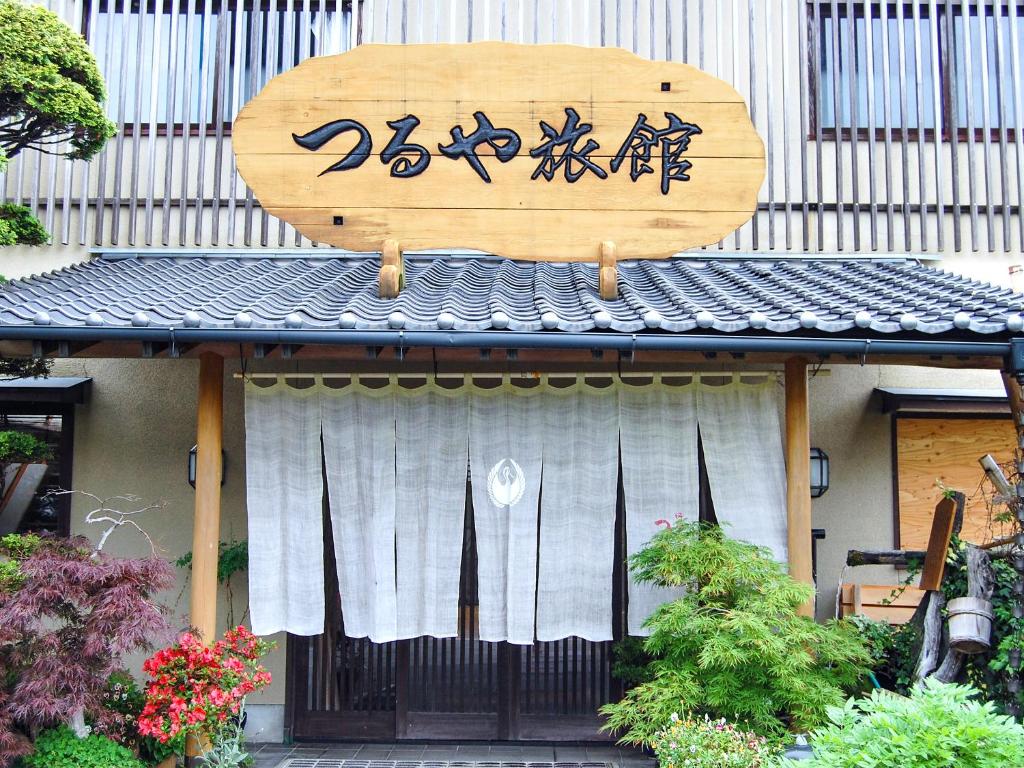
{"points": [[734, 645], [51, 91], [51, 100]]}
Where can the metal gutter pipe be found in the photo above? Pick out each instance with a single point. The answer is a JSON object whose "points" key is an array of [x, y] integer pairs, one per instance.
{"points": [[624, 342]]}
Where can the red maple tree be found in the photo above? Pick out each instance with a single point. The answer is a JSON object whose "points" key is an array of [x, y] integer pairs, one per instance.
{"points": [[67, 615]]}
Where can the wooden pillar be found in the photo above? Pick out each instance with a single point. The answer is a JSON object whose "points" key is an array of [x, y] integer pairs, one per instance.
{"points": [[206, 526], [798, 474]]}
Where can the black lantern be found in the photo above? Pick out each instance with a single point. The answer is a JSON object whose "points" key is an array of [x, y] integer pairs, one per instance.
{"points": [[192, 453], [819, 473]]}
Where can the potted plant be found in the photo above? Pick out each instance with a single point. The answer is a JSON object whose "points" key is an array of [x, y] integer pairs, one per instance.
{"points": [[198, 691]]}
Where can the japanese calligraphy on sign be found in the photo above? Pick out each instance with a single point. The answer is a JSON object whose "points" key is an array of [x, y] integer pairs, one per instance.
{"points": [[532, 152]]}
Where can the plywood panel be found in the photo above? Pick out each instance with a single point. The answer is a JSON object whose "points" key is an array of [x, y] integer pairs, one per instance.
{"points": [[894, 604], [317, 150], [946, 451]]}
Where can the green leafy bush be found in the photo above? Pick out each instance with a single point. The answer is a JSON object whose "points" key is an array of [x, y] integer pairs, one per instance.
{"points": [[893, 649], [60, 748], [232, 558], [14, 548], [734, 646], [630, 662], [20, 447], [939, 726], [706, 743], [19, 227], [987, 671]]}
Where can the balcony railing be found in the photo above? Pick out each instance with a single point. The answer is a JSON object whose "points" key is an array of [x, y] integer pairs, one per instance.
{"points": [[890, 127]]}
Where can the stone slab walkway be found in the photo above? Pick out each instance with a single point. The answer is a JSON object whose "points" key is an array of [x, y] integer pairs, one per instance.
{"points": [[272, 755]]}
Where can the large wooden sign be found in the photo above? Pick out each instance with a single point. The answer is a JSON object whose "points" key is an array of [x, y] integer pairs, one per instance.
{"points": [[538, 152]]}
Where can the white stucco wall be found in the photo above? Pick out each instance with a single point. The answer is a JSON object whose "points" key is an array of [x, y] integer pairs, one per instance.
{"points": [[133, 437]]}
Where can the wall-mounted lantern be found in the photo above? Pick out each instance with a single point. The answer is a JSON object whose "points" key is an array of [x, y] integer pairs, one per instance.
{"points": [[819, 473], [192, 453]]}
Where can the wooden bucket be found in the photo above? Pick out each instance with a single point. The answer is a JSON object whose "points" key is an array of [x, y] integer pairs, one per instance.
{"points": [[970, 624]]}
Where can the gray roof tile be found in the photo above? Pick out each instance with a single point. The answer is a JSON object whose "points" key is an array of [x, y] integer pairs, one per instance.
{"points": [[466, 293]]}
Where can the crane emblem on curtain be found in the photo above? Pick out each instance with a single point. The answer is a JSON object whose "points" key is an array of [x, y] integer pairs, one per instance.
{"points": [[506, 483]]}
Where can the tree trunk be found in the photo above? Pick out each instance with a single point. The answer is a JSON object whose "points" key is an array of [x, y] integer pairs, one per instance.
{"points": [[935, 637], [77, 724], [900, 558]]}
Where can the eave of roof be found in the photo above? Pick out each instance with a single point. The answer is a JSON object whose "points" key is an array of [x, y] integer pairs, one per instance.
{"points": [[918, 401], [52, 389], [827, 306]]}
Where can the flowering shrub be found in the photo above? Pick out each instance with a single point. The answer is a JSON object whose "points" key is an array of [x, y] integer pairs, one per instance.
{"points": [[197, 689], [123, 701], [706, 743], [122, 704]]}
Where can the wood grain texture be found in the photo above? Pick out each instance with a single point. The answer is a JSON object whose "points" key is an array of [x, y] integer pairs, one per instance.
{"points": [[206, 526], [896, 605], [275, 122], [798, 475], [518, 87], [938, 543], [946, 451]]}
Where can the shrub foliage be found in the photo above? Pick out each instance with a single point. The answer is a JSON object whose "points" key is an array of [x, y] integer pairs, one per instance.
{"points": [[938, 726], [706, 743], [51, 100], [734, 646], [61, 748], [988, 671], [51, 90], [67, 615], [19, 227]]}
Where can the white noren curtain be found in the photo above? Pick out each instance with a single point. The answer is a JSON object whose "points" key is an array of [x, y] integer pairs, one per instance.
{"points": [[577, 517], [359, 453], [432, 429], [742, 439], [506, 449], [284, 499], [660, 478]]}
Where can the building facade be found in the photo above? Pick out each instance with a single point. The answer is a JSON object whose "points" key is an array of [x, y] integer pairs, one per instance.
{"points": [[892, 138]]}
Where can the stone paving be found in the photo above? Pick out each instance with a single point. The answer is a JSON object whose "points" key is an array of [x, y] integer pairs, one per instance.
{"points": [[272, 755]]}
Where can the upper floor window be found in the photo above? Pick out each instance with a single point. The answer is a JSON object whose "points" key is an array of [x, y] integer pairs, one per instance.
{"points": [[896, 65], [196, 62]]}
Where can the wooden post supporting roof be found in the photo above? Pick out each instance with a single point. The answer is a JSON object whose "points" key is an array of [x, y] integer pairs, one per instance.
{"points": [[798, 474], [206, 526]]}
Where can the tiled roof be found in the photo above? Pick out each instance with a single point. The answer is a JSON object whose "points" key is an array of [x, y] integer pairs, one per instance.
{"points": [[467, 293]]}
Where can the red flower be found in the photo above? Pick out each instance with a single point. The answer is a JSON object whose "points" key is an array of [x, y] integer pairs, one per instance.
{"points": [[194, 684]]}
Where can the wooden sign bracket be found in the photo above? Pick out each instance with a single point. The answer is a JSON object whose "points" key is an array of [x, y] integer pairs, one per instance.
{"points": [[392, 270], [608, 272]]}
